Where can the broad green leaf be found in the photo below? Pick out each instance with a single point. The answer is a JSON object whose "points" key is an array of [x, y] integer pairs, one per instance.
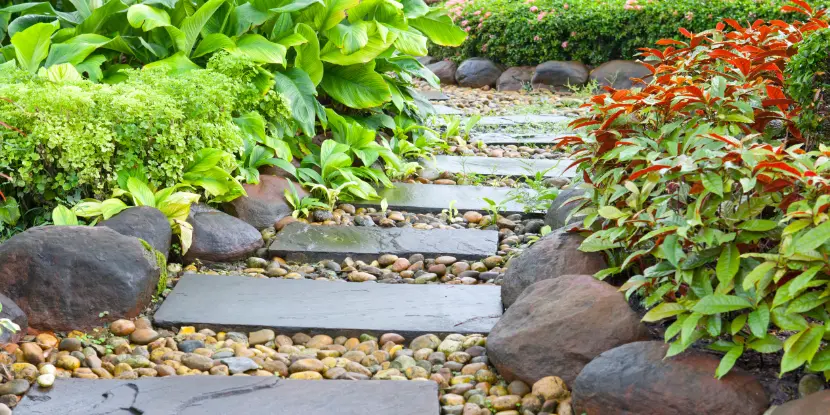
{"points": [[31, 46], [211, 43], [759, 320], [62, 216], [796, 226], [758, 225], [806, 302], [787, 321], [112, 207], [308, 54], [294, 5], [689, 327], [192, 25], [205, 160], [73, 53], [414, 8], [728, 360], [99, 16], [821, 361], [261, 49], [757, 274], [439, 28], [813, 238], [766, 344], [291, 40], [800, 282], [713, 183], [146, 17], [374, 47], [737, 324], [610, 212], [64, 72], [335, 12], [141, 193], [349, 37], [177, 63], [356, 86], [411, 42], [800, 348], [720, 303], [663, 310], [252, 125], [297, 87], [728, 263]]}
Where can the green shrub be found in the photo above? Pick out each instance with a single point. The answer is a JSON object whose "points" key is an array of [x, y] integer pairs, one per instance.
{"points": [[808, 82], [516, 32], [74, 136]]}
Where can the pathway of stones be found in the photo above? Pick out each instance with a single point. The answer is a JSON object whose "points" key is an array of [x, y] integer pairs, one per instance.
{"points": [[472, 312]]}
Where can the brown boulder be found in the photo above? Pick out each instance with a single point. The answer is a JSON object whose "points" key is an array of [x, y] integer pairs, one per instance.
{"points": [[553, 74], [814, 404], [144, 222], [12, 312], [617, 74], [515, 78], [444, 70], [477, 73], [635, 379], [265, 203], [62, 277], [219, 237], [561, 208], [555, 254], [558, 325]]}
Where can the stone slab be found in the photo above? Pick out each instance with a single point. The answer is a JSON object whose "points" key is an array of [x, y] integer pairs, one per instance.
{"points": [[433, 198], [445, 110], [498, 166], [434, 95], [239, 395], [306, 243], [244, 303], [517, 139], [523, 119]]}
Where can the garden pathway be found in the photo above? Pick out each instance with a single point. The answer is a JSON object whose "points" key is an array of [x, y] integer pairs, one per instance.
{"points": [[236, 302]]}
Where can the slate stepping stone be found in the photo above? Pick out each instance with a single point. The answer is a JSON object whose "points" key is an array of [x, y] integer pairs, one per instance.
{"points": [[517, 139], [501, 166], [210, 395], [306, 243], [445, 110], [523, 119], [434, 95], [244, 303], [426, 198]]}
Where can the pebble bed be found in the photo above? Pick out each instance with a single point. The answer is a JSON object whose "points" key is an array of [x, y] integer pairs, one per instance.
{"points": [[479, 149], [485, 101], [468, 384]]}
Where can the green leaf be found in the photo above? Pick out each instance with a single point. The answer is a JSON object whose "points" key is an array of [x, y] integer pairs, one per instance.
{"points": [[800, 348], [31, 46], [728, 360], [177, 63], [720, 303], [414, 8], [758, 225], [64, 72], [821, 361], [374, 47], [294, 5], [356, 86], [297, 87], [807, 302], [261, 49], [62, 216], [205, 160], [766, 344], [146, 17], [759, 320], [141, 193], [211, 43], [100, 16], [349, 37], [813, 238], [192, 25], [737, 324], [713, 182], [662, 311], [787, 321], [800, 282], [757, 274], [728, 263], [610, 212], [252, 125], [439, 28], [308, 54]]}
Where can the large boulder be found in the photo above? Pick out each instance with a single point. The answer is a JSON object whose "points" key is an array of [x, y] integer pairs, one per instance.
{"points": [[515, 78], [219, 237], [265, 203], [12, 312], [557, 215], [63, 277], [814, 404], [145, 222], [558, 74], [477, 73], [444, 70], [559, 325], [556, 254], [636, 379], [617, 74]]}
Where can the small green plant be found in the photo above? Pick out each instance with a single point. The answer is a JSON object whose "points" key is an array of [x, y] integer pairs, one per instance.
{"points": [[451, 212], [537, 196], [493, 208], [302, 206], [7, 324], [384, 204], [587, 90]]}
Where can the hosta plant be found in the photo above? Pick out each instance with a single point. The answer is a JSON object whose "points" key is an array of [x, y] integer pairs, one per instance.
{"points": [[700, 186]]}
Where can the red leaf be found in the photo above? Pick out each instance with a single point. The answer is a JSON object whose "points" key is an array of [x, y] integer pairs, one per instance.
{"points": [[664, 42], [726, 140], [647, 170], [776, 165], [686, 33]]}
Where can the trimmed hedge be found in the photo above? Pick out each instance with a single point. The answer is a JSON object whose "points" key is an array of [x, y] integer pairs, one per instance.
{"points": [[516, 32], [808, 82]]}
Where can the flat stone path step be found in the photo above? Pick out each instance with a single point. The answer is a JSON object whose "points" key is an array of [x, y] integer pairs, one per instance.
{"points": [[434, 95], [503, 120], [498, 166], [337, 308], [308, 243], [445, 110], [239, 395], [517, 139], [429, 198]]}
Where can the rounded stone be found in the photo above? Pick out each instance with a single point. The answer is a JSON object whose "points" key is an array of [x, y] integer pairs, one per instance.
{"points": [[197, 361], [307, 365], [122, 327], [144, 336], [309, 375]]}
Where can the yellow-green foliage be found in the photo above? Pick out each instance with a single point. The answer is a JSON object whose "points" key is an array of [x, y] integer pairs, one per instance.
{"points": [[78, 135]]}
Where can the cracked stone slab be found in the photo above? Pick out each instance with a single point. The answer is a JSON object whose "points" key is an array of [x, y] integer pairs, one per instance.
{"points": [[498, 166], [233, 302], [307, 243], [523, 119], [240, 395], [517, 139], [426, 198]]}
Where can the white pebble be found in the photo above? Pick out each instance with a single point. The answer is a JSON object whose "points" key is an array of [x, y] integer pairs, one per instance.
{"points": [[46, 381], [48, 369]]}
